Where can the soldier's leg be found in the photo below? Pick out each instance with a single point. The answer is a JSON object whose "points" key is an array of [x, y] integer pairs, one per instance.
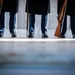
{"points": [[31, 25], [12, 24], [73, 25], [2, 21], [63, 28], [43, 25]]}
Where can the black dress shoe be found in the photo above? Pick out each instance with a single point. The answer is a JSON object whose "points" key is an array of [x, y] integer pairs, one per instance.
{"points": [[1, 35], [44, 35], [30, 35], [62, 36], [13, 35], [73, 36]]}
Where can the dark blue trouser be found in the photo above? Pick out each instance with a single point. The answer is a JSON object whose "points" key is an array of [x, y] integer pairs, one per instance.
{"points": [[32, 23], [72, 25], [11, 22]]}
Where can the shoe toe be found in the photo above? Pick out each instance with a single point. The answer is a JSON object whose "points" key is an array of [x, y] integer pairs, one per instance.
{"points": [[44, 36], [30, 36], [13, 35], [1, 35], [62, 36], [73, 36]]}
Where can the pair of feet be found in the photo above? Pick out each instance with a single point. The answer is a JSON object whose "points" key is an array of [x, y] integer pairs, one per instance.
{"points": [[63, 36], [43, 35], [12, 35]]}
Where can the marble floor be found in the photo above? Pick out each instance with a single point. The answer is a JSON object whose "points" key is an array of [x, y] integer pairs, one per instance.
{"points": [[37, 58]]}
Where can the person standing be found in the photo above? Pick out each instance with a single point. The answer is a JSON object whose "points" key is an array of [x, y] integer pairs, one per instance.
{"points": [[70, 10], [39, 7], [10, 6]]}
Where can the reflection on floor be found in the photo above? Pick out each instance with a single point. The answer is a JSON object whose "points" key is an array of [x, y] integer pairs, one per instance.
{"points": [[37, 58]]}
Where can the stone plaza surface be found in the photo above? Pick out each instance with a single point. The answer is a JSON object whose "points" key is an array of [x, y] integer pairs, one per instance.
{"points": [[37, 58]]}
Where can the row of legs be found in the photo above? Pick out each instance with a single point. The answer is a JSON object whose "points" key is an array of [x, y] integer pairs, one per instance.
{"points": [[44, 18], [31, 24]]}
